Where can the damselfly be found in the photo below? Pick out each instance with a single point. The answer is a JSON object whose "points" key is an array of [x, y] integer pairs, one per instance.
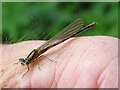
{"points": [[70, 31]]}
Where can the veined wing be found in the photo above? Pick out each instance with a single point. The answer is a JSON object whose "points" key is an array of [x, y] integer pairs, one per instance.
{"points": [[68, 32]]}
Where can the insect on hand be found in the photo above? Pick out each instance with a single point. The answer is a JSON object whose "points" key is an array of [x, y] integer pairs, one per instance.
{"points": [[70, 31]]}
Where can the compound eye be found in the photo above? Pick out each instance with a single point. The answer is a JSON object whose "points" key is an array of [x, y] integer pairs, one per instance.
{"points": [[22, 60]]}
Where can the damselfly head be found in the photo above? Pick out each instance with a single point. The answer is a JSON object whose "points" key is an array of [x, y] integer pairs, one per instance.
{"points": [[22, 61]]}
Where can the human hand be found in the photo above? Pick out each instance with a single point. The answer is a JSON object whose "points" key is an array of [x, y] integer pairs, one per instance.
{"points": [[85, 62]]}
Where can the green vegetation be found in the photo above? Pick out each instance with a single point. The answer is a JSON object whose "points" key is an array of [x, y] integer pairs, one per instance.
{"points": [[28, 21], [1, 22]]}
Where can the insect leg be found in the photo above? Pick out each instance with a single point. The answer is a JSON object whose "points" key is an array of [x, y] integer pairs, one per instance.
{"points": [[45, 57], [16, 63], [26, 71], [48, 58], [39, 67]]}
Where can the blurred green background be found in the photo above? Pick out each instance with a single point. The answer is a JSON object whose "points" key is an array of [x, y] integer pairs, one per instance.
{"points": [[42, 20]]}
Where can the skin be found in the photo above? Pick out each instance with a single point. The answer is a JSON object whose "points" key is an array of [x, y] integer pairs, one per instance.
{"points": [[84, 62]]}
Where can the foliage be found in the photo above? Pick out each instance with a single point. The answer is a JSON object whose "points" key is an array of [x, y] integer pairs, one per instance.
{"points": [[42, 20]]}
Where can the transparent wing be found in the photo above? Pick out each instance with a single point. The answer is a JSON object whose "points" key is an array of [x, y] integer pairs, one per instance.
{"points": [[69, 31]]}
